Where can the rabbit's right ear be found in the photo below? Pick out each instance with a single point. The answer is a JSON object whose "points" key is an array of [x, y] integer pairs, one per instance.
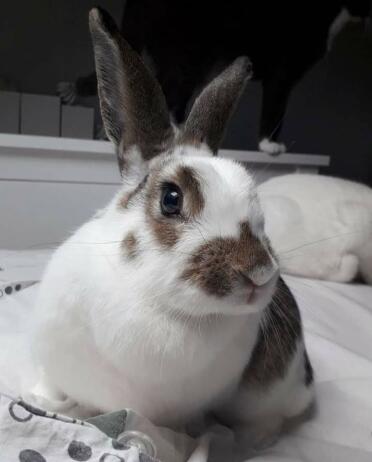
{"points": [[133, 106], [214, 106]]}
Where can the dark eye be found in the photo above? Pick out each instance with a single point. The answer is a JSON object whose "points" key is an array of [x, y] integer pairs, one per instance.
{"points": [[171, 199]]}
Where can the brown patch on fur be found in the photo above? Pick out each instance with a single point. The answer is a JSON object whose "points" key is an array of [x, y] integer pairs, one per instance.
{"points": [[187, 179], [130, 246], [188, 139], [124, 202], [165, 230], [218, 265], [277, 340], [130, 96]]}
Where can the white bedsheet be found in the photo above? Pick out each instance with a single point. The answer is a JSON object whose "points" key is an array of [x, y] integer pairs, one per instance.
{"points": [[338, 326]]}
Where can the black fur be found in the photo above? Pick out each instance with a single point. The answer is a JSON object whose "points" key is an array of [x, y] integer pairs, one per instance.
{"points": [[212, 109], [282, 326], [190, 41]]}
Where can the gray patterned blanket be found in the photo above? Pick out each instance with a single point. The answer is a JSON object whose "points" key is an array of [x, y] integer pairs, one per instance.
{"points": [[29, 434]]}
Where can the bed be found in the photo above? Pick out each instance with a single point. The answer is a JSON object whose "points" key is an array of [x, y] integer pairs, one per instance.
{"points": [[337, 320], [40, 179]]}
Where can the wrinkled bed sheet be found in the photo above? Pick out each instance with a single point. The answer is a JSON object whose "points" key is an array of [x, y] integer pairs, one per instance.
{"points": [[338, 329]]}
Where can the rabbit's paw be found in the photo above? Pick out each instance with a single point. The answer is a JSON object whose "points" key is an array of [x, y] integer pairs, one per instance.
{"points": [[45, 397]]}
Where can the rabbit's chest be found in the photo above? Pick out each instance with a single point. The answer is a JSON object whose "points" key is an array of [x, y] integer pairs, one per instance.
{"points": [[183, 375]]}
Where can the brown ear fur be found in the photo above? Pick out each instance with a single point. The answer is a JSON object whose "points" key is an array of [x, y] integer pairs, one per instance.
{"points": [[214, 106], [133, 106]]}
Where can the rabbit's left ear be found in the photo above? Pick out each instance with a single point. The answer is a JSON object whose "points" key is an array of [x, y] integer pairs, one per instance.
{"points": [[133, 106], [214, 106]]}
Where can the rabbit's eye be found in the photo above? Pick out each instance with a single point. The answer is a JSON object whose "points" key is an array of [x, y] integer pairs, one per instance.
{"points": [[171, 199]]}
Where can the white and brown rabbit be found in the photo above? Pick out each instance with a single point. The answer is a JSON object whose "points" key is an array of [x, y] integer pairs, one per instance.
{"points": [[169, 300]]}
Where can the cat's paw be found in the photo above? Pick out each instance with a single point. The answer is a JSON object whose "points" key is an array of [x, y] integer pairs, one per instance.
{"points": [[67, 92], [271, 147]]}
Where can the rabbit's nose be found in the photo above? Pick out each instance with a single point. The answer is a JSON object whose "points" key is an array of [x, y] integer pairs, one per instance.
{"points": [[256, 282]]}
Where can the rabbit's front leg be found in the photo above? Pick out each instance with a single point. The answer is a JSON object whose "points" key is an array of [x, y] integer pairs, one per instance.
{"points": [[263, 412], [277, 384], [259, 409], [46, 396]]}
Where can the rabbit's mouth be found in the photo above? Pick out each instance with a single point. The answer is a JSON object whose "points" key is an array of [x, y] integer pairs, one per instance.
{"points": [[233, 267], [251, 294], [253, 297], [253, 288]]}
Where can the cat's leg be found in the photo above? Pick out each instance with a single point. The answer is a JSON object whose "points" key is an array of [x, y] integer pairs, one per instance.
{"points": [[277, 86], [275, 94]]}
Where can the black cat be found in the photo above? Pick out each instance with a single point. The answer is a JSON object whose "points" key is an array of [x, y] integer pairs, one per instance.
{"points": [[187, 42]]}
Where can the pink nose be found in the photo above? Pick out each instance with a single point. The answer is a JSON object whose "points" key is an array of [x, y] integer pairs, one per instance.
{"points": [[252, 289]]}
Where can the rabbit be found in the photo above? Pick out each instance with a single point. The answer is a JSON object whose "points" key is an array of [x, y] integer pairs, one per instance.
{"points": [[320, 226], [169, 300]]}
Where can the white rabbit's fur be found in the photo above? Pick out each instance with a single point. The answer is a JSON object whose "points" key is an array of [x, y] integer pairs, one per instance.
{"points": [[159, 311], [112, 316], [320, 227], [116, 334]]}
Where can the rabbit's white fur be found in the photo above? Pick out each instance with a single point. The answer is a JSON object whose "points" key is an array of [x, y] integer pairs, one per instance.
{"points": [[320, 227], [114, 333], [162, 309], [120, 345]]}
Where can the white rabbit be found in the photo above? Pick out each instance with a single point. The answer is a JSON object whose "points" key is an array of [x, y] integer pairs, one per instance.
{"points": [[320, 227], [161, 302]]}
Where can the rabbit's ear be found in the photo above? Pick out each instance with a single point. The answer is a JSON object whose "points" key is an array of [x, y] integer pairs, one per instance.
{"points": [[212, 109], [133, 106]]}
